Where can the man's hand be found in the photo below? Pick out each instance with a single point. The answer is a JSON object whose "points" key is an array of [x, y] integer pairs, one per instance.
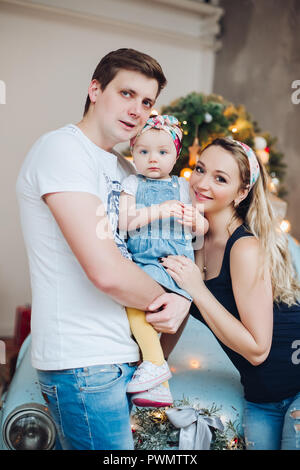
{"points": [[173, 309]]}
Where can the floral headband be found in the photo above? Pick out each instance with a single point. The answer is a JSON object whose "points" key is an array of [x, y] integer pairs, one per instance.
{"points": [[167, 123], [253, 163]]}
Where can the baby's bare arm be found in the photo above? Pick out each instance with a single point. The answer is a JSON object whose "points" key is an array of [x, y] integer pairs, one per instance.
{"points": [[131, 218]]}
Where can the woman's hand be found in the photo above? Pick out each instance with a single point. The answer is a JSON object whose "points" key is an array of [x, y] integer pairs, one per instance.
{"points": [[184, 272]]}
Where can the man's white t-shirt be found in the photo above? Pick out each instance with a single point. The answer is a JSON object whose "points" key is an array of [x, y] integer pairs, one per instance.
{"points": [[73, 323]]}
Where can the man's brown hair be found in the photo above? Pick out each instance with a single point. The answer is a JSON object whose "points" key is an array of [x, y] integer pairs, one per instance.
{"points": [[126, 59]]}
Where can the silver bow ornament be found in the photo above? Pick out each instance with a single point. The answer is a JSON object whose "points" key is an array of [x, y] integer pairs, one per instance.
{"points": [[194, 427]]}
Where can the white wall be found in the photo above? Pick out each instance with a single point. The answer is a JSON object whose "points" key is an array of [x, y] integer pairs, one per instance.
{"points": [[48, 52], [260, 77]]}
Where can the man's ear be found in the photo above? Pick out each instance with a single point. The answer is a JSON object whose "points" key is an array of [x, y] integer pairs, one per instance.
{"points": [[94, 90]]}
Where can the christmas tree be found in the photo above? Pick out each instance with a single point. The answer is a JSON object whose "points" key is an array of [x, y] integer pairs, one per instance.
{"points": [[206, 117]]}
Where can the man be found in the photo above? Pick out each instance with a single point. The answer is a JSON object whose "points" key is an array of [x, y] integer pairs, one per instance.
{"points": [[68, 190]]}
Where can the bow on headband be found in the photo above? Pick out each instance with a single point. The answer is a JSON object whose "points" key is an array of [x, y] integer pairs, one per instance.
{"points": [[167, 123], [194, 427]]}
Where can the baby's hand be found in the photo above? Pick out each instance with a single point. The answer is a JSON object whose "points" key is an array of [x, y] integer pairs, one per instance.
{"points": [[193, 218], [171, 208], [201, 223]]}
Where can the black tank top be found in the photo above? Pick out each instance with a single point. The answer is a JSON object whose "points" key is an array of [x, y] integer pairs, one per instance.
{"points": [[278, 377]]}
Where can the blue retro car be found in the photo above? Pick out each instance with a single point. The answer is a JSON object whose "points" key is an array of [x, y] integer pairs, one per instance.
{"points": [[202, 374], [25, 421]]}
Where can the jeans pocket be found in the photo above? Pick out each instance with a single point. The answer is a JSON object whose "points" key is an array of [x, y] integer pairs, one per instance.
{"points": [[48, 390], [50, 396], [100, 378]]}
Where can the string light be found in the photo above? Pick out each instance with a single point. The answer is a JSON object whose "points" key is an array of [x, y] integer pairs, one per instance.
{"points": [[194, 364], [263, 155], [186, 173], [285, 226], [273, 183], [272, 187]]}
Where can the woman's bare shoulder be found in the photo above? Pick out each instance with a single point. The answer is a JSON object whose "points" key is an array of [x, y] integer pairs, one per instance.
{"points": [[245, 255], [245, 247]]}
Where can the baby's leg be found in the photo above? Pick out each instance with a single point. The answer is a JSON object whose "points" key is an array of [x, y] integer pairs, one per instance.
{"points": [[146, 337]]}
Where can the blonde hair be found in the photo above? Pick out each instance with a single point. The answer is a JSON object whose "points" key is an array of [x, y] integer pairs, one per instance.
{"points": [[257, 214]]}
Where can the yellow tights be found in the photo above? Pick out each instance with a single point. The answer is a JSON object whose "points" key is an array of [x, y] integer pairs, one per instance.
{"points": [[146, 337]]}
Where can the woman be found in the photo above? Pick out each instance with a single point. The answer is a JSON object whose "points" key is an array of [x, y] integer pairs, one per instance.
{"points": [[244, 290]]}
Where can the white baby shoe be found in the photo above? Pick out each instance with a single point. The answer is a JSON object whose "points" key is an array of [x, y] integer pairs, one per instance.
{"points": [[148, 375], [156, 397]]}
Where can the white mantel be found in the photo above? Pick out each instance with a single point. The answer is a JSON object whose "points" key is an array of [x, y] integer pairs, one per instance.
{"points": [[192, 22]]}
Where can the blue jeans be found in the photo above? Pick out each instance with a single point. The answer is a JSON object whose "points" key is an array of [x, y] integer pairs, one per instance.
{"points": [[273, 426], [90, 406]]}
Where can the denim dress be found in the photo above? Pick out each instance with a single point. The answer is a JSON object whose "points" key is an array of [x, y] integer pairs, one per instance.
{"points": [[161, 237]]}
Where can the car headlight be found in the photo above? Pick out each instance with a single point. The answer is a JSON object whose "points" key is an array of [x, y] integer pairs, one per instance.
{"points": [[29, 427]]}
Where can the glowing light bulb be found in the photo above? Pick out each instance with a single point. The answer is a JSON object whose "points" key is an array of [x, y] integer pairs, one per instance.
{"points": [[186, 173], [285, 226], [263, 155], [272, 187], [194, 364], [234, 129]]}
